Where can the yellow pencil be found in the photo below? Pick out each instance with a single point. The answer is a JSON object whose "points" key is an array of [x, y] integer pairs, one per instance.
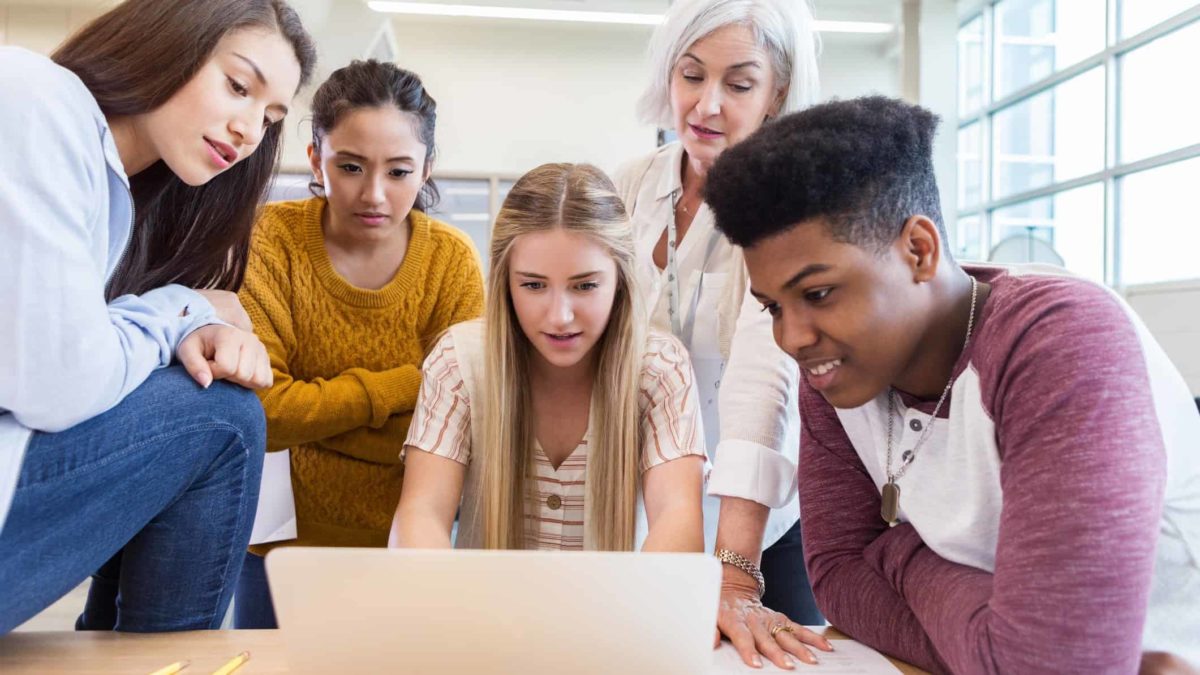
{"points": [[234, 663], [172, 669]]}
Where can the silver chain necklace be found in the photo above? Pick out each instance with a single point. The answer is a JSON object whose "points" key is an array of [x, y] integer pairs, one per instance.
{"points": [[890, 508]]}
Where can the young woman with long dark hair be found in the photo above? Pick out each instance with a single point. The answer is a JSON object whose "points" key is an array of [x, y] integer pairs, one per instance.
{"points": [[138, 155]]}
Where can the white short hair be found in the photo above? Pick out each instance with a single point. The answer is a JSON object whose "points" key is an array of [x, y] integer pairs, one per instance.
{"points": [[784, 28]]}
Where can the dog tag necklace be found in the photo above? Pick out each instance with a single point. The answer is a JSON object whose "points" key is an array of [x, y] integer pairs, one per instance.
{"points": [[890, 495]]}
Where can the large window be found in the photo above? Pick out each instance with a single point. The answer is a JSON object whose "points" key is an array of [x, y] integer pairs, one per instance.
{"points": [[1078, 136]]}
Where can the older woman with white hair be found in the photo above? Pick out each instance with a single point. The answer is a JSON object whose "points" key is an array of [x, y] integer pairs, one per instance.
{"points": [[720, 70]]}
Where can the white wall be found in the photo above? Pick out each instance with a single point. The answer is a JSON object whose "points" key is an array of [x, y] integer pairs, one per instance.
{"points": [[849, 69], [938, 77], [1172, 313], [512, 95], [41, 27]]}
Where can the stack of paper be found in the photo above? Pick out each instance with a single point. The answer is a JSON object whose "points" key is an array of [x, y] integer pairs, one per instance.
{"points": [[847, 658]]}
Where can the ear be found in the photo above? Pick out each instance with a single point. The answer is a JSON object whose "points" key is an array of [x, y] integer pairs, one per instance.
{"points": [[777, 104], [921, 246], [314, 163], [427, 172]]}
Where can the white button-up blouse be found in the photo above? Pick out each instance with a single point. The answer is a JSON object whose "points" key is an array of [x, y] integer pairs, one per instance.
{"points": [[747, 385]]}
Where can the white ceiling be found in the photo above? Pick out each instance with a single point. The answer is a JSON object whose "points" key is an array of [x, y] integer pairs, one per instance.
{"points": [[863, 10], [887, 11]]}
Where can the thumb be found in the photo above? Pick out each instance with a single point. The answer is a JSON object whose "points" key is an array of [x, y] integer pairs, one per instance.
{"points": [[191, 356]]}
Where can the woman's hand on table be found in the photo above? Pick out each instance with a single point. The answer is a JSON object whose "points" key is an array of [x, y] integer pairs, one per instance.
{"points": [[757, 631]]}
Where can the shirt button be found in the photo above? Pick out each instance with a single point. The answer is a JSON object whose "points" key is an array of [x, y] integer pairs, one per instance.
{"points": [[914, 424], [554, 502]]}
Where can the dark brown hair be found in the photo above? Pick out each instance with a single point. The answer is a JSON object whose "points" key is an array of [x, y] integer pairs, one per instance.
{"points": [[374, 84], [133, 59]]}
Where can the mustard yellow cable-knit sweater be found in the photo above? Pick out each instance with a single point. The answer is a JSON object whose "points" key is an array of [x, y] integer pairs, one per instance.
{"points": [[347, 363]]}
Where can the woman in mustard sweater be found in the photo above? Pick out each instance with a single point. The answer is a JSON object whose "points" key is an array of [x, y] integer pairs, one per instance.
{"points": [[348, 290]]}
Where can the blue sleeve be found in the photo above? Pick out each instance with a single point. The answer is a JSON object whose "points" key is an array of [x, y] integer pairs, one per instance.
{"points": [[66, 355]]}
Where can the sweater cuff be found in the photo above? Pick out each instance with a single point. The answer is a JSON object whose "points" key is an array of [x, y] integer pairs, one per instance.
{"points": [[390, 391], [752, 471], [189, 310]]}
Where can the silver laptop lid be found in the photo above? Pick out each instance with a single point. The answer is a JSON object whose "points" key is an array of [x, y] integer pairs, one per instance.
{"points": [[346, 610]]}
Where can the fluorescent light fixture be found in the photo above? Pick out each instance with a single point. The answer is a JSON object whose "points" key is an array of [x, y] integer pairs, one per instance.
{"points": [[490, 12], [874, 27], [627, 18]]}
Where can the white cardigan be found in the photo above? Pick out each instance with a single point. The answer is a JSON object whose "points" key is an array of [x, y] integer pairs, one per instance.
{"points": [[747, 385]]}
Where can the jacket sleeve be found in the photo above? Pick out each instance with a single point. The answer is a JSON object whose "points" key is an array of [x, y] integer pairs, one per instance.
{"points": [[65, 354]]}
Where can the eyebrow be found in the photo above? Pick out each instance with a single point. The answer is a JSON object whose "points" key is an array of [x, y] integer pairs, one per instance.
{"points": [[571, 278], [351, 155], [736, 66], [815, 268], [261, 78]]}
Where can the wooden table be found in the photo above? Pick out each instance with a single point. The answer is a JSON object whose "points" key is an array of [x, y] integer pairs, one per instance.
{"points": [[104, 653]]}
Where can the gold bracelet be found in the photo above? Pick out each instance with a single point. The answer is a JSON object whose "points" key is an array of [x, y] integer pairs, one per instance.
{"points": [[742, 563]]}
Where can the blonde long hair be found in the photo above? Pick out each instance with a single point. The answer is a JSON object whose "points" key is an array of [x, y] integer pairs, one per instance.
{"points": [[577, 198]]}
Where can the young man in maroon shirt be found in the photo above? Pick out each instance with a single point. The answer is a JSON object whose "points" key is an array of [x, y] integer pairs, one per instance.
{"points": [[999, 467]]}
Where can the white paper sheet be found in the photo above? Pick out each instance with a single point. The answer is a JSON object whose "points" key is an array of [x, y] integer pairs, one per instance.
{"points": [[847, 658], [275, 519]]}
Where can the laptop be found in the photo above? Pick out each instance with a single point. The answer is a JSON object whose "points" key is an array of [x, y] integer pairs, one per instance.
{"points": [[371, 610]]}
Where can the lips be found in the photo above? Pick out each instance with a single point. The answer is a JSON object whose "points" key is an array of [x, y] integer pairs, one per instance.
{"points": [[371, 216], [563, 341], [224, 151], [820, 374], [705, 132]]}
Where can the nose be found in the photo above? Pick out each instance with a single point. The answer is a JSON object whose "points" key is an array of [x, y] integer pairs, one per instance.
{"points": [[710, 98], [372, 188], [795, 332], [248, 127], [561, 311]]}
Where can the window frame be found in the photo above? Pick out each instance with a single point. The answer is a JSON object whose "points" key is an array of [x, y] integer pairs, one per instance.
{"points": [[1113, 170]]}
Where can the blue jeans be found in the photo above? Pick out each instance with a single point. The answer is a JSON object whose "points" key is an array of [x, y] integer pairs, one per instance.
{"points": [[158, 494], [788, 588], [252, 606]]}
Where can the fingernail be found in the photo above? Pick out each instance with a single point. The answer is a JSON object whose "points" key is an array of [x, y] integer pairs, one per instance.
{"points": [[787, 661], [756, 661], [828, 646]]}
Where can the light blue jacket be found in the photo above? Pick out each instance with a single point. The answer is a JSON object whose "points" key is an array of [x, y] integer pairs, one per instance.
{"points": [[66, 215]]}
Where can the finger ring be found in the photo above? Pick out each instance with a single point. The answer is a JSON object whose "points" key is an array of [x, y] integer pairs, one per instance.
{"points": [[780, 628]]}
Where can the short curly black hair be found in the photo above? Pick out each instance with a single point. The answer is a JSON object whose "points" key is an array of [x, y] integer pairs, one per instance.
{"points": [[863, 165]]}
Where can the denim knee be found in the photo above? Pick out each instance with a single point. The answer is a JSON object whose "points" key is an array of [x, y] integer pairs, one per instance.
{"points": [[240, 409], [223, 403]]}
